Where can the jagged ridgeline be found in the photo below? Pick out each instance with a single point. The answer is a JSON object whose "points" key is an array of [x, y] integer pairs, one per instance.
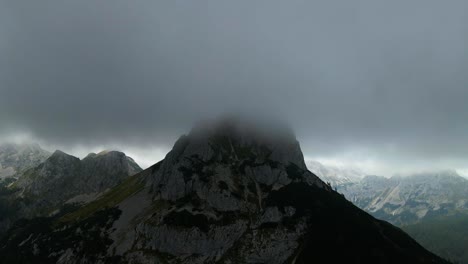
{"points": [[61, 181], [229, 192]]}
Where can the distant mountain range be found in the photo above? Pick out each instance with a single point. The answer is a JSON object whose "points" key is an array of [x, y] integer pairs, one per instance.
{"points": [[410, 199], [229, 192], [336, 176], [59, 180], [432, 206]]}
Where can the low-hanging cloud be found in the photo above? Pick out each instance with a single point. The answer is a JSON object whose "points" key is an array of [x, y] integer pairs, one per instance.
{"points": [[385, 79]]}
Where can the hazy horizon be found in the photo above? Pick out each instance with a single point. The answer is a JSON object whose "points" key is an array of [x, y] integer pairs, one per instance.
{"points": [[148, 157]]}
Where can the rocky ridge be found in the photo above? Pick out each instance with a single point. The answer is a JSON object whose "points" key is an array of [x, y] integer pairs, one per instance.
{"points": [[62, 179]]}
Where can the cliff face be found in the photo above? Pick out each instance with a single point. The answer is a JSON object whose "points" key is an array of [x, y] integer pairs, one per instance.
{"points": [[229, 192]]}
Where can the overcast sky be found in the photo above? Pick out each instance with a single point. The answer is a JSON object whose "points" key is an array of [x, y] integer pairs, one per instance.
{"points": [[375, 84]]}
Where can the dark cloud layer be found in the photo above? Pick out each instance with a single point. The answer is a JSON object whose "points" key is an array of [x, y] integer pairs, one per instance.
{"points": [[384, 78]]}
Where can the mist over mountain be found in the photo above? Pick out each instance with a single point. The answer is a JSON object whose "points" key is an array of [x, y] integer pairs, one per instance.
{"points": [[382, 82], [374, 88], [334, 175], [228, 192], [15, 158]]}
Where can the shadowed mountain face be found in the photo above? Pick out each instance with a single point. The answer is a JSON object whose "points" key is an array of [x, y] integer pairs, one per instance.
{"points": [[16, 158], [62, 178], [228, 192]]}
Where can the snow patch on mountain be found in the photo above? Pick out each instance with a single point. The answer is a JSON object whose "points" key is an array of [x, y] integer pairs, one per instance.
{"points": [[335, 175]]}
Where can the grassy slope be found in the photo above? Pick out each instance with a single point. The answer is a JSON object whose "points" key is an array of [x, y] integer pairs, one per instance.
{"points": [[113, 197], [128, 187], [446, 236]]}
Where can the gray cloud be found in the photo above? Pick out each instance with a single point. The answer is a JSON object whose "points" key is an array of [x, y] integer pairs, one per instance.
{"points": [[383, 78]]}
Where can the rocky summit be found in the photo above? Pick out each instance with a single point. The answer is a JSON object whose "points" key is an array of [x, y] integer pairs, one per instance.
{"points": [[229, 192]]}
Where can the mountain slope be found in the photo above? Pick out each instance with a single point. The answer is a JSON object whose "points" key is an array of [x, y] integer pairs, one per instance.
{"points": [[226, 193], [444, 235], [15, 158]]}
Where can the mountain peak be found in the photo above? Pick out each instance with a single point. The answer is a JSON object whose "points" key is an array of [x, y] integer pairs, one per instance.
{"points": [[240, 139], [90, 155], [59, 153], [232, 153], [105, 153], [109, 152], [111, 160], [61, 157], [244, 129]]}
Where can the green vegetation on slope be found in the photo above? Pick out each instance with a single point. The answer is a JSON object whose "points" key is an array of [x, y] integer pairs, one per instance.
{"points": [[446, 236], [32, 241], [128, 187]]}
